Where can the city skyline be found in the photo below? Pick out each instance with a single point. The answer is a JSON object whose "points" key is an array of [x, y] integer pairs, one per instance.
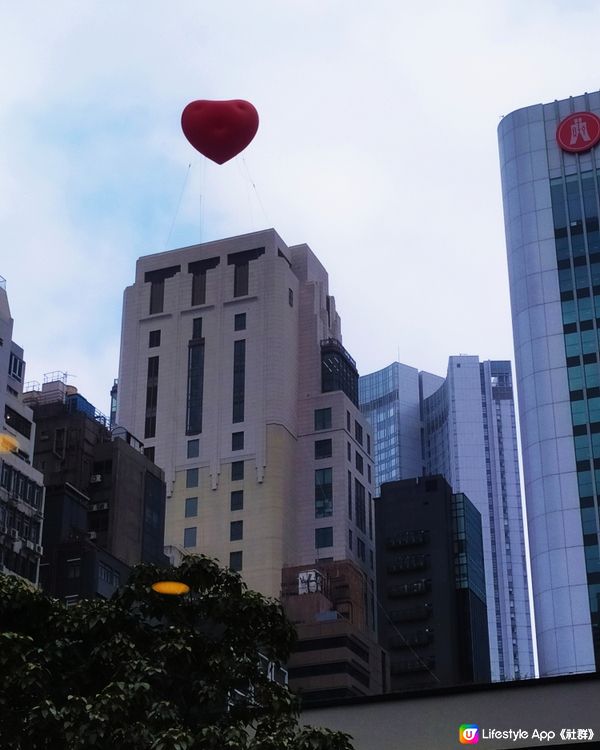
{"points": [[91, 146]]}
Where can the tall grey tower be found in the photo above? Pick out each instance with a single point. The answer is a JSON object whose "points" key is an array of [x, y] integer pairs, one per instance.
{"points": [[550, 172]]}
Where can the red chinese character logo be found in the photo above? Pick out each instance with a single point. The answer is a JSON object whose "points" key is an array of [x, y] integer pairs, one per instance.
{"points": [[578, 132]]}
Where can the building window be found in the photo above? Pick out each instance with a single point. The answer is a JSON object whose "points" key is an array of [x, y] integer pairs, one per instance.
{"points": [[349, 452], [350, 538], [235, 561], [157, 286], [369, 444], [199, 269], [291, 297], [236, 531], [199, 288], [237, 500], [323, 493], [323, 419], [189, 536], [237, 441], [153, 339], [17, 422], [348, 422], [191, 478], [74, 568], [239, 322], [324, 537], [370, 516], [193, 448], [239, 378], [359, 463], [360, 548], [241, 263], [151, 397], [369, 473], [237, 471], [359, 505], [191, 507], [149, 453], [323, 448], [358, 432], [350, 495], [195, 380], [16, 367], [240, 279]]}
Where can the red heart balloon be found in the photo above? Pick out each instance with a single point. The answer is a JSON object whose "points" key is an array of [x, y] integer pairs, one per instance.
{"points": [[219, 130]]}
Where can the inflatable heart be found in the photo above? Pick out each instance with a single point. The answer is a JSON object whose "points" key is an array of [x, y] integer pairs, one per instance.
{"points": [[219, 130]]}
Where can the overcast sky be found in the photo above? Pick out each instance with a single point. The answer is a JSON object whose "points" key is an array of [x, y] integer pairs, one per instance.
{"points": [[377, 146]]}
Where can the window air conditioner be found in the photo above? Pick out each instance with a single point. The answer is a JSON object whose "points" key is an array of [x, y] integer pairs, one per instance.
{"points": [[95, 478]]}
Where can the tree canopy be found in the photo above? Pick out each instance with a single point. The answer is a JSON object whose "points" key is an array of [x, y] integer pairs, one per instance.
{"points": [[145, 671]]}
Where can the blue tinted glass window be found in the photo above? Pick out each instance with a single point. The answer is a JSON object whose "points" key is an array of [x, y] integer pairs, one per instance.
{"points": [[572, 344], [581, 277], [584, 480], [191, 478], [569, 314], [592, 375], [578, 412], [594, 409], [589, 342], [582, 450], [588, 520], [193, 448], [575, 378], [565, 281], [191, 507], [586, 308], [189, 537]]}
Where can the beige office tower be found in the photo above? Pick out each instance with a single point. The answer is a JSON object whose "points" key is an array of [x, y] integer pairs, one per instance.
{"points": [[233, 372]]}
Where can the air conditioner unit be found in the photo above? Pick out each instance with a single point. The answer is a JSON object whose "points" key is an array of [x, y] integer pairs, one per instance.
{"points": [[39, 549], [30, 544], [95, 478], [92, 535], [14, 533]]}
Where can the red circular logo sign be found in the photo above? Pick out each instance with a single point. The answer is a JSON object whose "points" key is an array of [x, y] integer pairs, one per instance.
{"points": [[578, 132]]}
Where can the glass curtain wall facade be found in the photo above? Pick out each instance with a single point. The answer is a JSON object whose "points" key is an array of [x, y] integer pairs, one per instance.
{"points": [[551, 205], [389, 398]]}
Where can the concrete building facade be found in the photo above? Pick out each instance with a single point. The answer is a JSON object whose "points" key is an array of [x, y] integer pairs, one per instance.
{"points": [[233, 370], [466, 432], [105, 500], [21, 486], [549, 168]]}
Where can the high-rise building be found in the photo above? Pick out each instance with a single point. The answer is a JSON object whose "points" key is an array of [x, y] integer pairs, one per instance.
{"points": [[21, 486], [233, 370], [466, 432], [431, 585], [549, 166], [105, 500]]}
